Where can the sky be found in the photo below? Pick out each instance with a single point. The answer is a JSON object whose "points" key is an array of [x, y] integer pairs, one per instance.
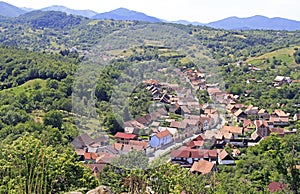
{"points": [[203, 11]]}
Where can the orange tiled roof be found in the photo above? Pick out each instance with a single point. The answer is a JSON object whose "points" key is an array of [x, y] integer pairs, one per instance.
{"points": [[125, 135], [232, 129], [202, 166], [163, 134]]}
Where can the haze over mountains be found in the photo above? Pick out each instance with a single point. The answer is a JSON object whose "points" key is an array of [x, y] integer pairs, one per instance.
{"points": [[230, 23]]}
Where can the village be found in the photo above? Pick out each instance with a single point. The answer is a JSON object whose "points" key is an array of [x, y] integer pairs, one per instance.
{"points": [[196, 136]]}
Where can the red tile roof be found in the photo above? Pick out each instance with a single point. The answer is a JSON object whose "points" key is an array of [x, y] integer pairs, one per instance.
{"points": [[125, 135], [247, 122], [180, 153], [198, 138], [163, 134], [90, 156], [213, 153], [260, 123], [203, 166], [128, 148], [144, 144], [192, 144], [223, 154], [232, 129]]}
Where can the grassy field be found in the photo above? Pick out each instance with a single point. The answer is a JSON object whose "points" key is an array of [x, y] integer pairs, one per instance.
{"points": [[285, 55], [27, 87]]}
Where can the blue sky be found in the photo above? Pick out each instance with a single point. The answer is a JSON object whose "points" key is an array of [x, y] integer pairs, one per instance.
{"points": [[192, 10]]}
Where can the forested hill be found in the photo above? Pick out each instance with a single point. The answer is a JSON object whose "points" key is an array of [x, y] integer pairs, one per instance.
{"points": [[55, 31]]}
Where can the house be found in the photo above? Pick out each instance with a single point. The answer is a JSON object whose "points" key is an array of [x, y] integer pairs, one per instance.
{"points": [[90, 157], [236, 131], [125, 137], [239, 115], [263, 114], [105, 158], [195, 144], [203, 167], [227, 136], [132, 145], [193, 124], [80, 153], [178, 124], [160, 139], [180, 156], [107, 149], [131, 130], [262, 128], [279, 118], [133, 123], [173, 131], [225, 158], [187, 156], [82, 141], [249, 124], [251, 110], [205, 123], [254, 139], [214, 138]]}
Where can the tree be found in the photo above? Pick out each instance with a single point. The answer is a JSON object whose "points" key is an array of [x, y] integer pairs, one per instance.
{"points": [[53, 118], [133, 160], [28, 166], [113, 124]]}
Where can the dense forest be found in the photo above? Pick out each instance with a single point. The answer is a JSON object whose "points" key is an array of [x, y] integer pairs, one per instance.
{"points": [[42, 55]]}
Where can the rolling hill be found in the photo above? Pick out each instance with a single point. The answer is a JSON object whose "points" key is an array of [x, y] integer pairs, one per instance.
{"points": [[125, 14], [9, 10], [185, 22], [256, 22], [84, 13]]}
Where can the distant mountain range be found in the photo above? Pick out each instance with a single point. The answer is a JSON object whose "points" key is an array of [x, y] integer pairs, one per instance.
{"points": [[256, 22], [231, 23], [84, 13], [125, 14], [10, 10]]}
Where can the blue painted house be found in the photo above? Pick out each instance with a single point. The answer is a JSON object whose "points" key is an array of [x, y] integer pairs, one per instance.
{"points": [[159, 139]]}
